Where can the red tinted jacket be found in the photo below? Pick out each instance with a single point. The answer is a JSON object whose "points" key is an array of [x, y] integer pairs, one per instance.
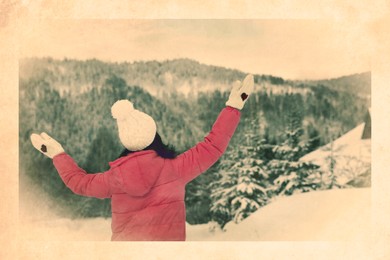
{"points": [[147, 191]]}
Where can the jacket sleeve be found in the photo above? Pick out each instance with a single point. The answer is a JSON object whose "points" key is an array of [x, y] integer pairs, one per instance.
{"points": [[77, 180], [198, 159]]}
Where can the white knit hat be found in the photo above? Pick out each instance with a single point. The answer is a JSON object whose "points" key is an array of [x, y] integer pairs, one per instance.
{"points": [[136, 129]]}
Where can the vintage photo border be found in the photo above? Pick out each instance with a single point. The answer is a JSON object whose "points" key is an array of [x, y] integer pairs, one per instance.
{"points": [[368, 17]]}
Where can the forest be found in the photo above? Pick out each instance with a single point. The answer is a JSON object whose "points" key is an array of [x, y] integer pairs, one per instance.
{"points": [[282, 121]]}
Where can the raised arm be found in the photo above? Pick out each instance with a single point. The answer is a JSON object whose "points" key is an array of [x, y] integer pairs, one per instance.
{"points": [[198, 159], [75, 178]]}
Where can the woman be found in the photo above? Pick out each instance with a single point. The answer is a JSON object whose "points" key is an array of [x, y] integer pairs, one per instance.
{"points": [[147, 184]]}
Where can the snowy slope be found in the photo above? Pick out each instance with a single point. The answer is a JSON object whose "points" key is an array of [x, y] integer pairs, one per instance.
{"points": [[325, 215], [352, 155]]}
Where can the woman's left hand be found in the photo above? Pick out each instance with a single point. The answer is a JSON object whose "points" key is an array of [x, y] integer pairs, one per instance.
{"points": [[240, 92]]}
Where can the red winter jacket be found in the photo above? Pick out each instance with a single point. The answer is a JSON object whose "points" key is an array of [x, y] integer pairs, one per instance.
{"points": [[147, 191]]}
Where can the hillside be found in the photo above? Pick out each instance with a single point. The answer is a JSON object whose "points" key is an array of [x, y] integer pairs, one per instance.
{"points": [[359, 83], [333, 215], [182, 75]]}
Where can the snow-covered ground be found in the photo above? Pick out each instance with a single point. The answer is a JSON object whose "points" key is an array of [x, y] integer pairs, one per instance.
{"points": [[323, 215]]}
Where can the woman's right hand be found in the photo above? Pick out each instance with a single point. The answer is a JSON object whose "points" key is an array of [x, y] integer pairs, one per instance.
{"points": [[46, 145], [240, 92]]}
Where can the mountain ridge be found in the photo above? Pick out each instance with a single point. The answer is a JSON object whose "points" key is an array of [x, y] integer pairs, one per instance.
{"points": [[184, 75]]}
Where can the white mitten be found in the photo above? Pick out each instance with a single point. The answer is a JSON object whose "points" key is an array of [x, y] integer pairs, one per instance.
{"points": [[240, 92], [46, 145]]}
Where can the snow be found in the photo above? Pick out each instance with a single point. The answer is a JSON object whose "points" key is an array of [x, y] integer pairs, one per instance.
{"points": [[245, 188], [323, 215], [64, 229], [39, 219], [352, 155], [342, 214]]}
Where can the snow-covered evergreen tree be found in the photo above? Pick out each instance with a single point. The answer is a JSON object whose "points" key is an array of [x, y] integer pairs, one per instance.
{"points": [[251, 188], [221, 190], [291, 175], [243, 184], [329, 180]]}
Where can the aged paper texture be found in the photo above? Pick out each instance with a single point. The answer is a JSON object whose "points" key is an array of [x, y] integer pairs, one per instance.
{"points": [[366, 19]]}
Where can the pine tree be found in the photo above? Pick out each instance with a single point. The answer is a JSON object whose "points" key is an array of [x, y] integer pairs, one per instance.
{"points": [[329, 179], [243, 184], [314, 138], [197, 197], [291, 175], [221, 189]]}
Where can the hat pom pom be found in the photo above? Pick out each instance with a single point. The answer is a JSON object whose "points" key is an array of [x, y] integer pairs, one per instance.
{"points": [[121, 109]]}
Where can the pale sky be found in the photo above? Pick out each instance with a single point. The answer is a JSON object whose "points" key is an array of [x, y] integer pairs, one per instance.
{"points": [[292, 49]]}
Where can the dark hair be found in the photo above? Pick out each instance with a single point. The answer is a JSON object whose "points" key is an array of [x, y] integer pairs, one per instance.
{"points": [[163, 150]]}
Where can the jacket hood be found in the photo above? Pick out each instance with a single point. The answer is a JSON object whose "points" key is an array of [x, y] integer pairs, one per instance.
{"points": [[136, 173]]}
